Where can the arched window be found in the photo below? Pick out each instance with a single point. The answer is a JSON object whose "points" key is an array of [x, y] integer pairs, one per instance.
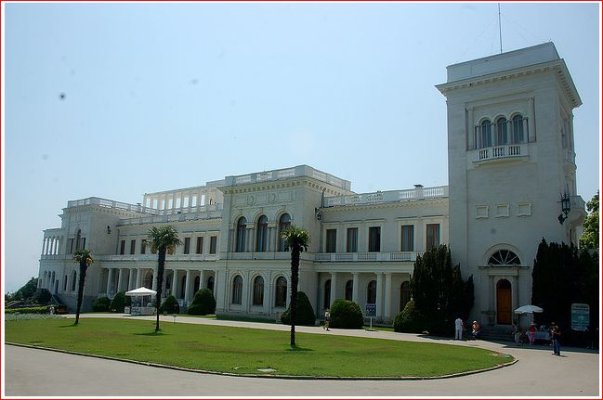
{"points": [[210, 283], [241, 234], [280, 296], [501, 131], [485, 134], [518, 136], [237, 290], [196, 284], [283, 224], [261, 234], [404, 294], [504, 257], [258, 291], [182, 286], [327, 294], [349, 289], [371, 292], [148, 280], [65, 284]]}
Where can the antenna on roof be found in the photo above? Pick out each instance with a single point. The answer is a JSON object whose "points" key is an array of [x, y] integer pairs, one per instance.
{"points": [[499, 28]]}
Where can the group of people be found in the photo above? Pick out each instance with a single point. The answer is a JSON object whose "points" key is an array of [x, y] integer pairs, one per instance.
{"points": [[459, 327]]}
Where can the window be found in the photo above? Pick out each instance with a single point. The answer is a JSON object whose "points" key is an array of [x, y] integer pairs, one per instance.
{"points": [[351, 245], [501, 131], [331, 245], [70, 245], [237, 289], [404, 294], [327, 294], [374, 238], [432, 236], [280, 297], [518, 136], [283, 224], [143, 246], [504, 257], [65, 284], [258, 291], [73, 280], [187, 245], [485, 139], [241, 235], [199, 249], [261, 234], [349, 290], [132, 246], [210, 283], [408, 238], [213, 244], [122, 247], [371, 292]]}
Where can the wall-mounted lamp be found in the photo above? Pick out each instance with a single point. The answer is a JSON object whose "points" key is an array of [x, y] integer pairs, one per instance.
{"points": [[108, 230], [565, 207], [317, 213]]}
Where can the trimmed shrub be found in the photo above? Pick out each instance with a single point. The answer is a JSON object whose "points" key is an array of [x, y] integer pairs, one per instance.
{"points": [[203, 303], [408, 320], [118, 303], [27, 310], [170, 306], [101, 304], [346, 314], [305, 312]]}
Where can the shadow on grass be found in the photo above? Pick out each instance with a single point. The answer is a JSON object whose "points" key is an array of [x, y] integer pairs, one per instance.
{"points": [[297, 348], [160, 333]]}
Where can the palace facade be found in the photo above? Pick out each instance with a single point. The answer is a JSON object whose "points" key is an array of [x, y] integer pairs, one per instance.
{"points": [[511, 161]]}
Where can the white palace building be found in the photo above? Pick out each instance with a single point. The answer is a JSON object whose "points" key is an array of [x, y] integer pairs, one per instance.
{"points": [[511, 159]]}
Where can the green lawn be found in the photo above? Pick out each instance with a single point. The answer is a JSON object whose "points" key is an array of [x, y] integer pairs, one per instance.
{"points": [[250, 351]]}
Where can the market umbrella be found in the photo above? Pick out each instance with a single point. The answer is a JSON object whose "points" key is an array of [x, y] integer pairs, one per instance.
{"points": [[528, 309]]}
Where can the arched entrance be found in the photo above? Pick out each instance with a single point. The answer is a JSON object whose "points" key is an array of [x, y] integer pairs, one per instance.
{"points": [[504, 303]]}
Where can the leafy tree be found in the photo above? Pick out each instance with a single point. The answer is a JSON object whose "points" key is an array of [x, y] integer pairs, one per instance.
{"points": [[170, 305], [346, 314], [119, 302], [297, 239], [563, 275], [84, 258], [590, 236], [162, 240], [26, 291], [203, 303], [101, 304], [41, 296], [305, 312], [439, 292]]}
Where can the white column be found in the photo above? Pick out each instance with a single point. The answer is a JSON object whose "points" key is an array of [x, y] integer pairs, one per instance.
{"points": [[355, 283], [111, 274], [388, 296], [154, 280], [333, 287], [131, 280], [174, 289], [188, 287], [139, 273], [202, 279], [267, 291], [379, 295]]}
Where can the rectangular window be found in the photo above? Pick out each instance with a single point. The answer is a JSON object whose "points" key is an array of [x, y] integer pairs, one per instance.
{"points": [[70, 246], [374, 238], [187, 245], [213, 244], [143, 246], [432, 236], [408, 238], [199, 249], [331, 246], [132, 246], [352, 240], [122, 247]]}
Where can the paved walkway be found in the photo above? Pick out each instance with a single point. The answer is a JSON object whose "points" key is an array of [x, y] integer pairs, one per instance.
{"points": [[32, 372]]}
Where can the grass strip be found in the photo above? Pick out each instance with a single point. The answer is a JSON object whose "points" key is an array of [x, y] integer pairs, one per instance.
{"points": [[252, 351]]}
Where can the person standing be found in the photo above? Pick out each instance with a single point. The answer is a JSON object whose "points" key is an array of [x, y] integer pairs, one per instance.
{"points": [[458, 328], [555, 335], [532, 333], [475, 329], [327, 319]]}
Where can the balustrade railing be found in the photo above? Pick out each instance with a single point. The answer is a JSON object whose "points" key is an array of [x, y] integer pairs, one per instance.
{"points": [[410, 256], [388, 196], [500, 152]]}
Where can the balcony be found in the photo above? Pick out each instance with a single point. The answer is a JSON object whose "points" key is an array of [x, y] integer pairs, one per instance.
{"points": [[505, 152], [409, 256]]}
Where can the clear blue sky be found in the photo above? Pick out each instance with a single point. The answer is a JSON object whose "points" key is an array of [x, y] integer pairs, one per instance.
{"points": [[164, 96]]}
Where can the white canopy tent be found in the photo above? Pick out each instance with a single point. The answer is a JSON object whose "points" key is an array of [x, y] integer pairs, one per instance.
{"points": [[140, 305]]}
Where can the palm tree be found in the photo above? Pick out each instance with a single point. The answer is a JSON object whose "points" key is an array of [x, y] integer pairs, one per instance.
{"points": [[162, 240], [83, 257], [297, 239]]}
